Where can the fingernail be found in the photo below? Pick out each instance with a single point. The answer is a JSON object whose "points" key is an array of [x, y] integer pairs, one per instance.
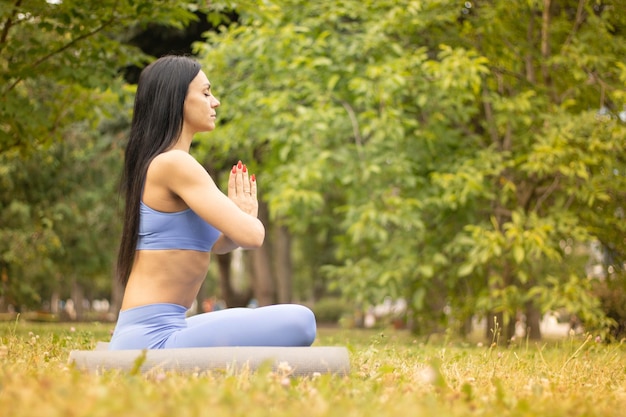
{"points": [[245, 168], [252, 178], [234, 171], [239, 165]]}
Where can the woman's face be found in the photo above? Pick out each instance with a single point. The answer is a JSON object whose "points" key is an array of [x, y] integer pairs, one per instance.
{"points": [[199, 110]]}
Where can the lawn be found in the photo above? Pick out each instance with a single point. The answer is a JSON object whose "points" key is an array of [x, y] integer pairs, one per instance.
{"points": [[393, 374]]}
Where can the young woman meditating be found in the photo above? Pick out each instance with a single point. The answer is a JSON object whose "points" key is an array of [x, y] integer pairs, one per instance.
{"points": [[175, 217]]}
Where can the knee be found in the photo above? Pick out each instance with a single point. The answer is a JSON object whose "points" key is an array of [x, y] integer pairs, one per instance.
{"points": [[306, 325]]}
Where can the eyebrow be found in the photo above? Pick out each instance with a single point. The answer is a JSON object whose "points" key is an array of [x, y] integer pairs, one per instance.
{"points": [[207, 85]]}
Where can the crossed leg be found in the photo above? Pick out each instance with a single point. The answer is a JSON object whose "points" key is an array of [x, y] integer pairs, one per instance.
{"points": [[276, 325]]}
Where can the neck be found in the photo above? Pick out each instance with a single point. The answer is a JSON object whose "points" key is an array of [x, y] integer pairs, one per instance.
{"points": [[184, 141]]}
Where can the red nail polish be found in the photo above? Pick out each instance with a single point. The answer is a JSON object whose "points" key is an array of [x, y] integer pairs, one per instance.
{"points": [[239, 165], [234, 171], [245, 168], [252, 178]]}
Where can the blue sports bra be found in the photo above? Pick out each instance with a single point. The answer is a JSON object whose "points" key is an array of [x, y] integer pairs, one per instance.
{"points": [[178, 230]]}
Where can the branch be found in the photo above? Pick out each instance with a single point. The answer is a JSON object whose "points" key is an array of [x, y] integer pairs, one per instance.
{"points": [[358, 139], [507, 140], [525, 192], [493, 131], [546, 194], [8, 24], [502, 212], [579, 20], [545, 41], [65, 47], [528, 60]]}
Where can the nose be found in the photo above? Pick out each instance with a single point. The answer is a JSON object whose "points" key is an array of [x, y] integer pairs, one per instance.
{"points": [[215, 102]]}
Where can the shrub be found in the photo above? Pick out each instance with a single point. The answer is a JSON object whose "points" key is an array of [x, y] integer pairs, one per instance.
{"points": [[330, 310], [612, 295]]}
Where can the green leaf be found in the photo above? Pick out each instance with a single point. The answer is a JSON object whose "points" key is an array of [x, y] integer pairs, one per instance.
{"points": [[465, 269], [518, 254]]}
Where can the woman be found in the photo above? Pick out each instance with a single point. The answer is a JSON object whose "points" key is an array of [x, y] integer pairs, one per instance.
{"points": [[175, 216]]}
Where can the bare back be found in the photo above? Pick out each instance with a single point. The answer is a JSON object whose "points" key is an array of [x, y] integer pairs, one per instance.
{"points": [[164, 276]]}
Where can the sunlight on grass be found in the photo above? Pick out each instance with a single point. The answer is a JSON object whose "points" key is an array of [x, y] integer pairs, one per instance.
{"points": [[393, 374]]}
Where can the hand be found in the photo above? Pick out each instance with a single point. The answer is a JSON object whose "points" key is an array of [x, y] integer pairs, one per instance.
{"points": [[242, 189]]}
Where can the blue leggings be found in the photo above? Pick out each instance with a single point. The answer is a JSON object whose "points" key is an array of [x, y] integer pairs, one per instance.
{"points": [[164, 326]]}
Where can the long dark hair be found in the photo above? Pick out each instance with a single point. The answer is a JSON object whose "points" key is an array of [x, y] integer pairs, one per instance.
{"points": [[157, 123]]}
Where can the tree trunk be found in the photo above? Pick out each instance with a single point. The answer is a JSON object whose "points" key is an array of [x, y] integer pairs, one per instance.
{"points": [[4, 278], [229, 295], [262, 282], [78, 297], [54, 302], [465, 327], [510, 329], [545, 42], [497, 330], [117, 293], [533, 318], [528, 59], [261, 265], [282, 264]]}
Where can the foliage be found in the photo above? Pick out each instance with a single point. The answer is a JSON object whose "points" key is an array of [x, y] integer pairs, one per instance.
{"points": [[391, 373], [446, 151], [56, 228], [62, 108], [330, 310], [51, 48], [612, 294]]}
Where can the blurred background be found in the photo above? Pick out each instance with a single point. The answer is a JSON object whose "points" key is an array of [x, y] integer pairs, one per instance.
{"points": [[439, 166]]}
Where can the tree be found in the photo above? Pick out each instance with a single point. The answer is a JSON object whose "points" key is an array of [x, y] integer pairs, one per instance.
{"points": [[60, 94], [545, 127], [60, 217], [49, 47], [432, 152]]}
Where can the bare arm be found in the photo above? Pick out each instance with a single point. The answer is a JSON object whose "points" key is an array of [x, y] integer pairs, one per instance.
{"points": [[235, 214], [223, 245]]}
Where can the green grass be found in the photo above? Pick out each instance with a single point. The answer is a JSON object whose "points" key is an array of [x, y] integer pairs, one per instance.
{"points": [[393, 374]]}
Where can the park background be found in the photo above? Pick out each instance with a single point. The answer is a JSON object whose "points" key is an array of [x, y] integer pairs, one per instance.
{"points": [[467, 157]]}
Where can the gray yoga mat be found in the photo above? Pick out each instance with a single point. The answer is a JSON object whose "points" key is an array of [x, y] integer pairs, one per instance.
{"points": [[301, 361]]}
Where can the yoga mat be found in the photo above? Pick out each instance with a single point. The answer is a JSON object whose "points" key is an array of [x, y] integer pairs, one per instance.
{"points": [[302, 361]]}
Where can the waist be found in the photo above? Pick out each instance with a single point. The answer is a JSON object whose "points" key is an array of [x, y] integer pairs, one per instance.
{"points": [[165, 276], [147, 326], [151, 313]]}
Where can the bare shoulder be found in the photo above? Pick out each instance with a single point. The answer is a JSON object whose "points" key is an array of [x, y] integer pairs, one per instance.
{"points": [[176, 163], [174, 158], [178, 173]]}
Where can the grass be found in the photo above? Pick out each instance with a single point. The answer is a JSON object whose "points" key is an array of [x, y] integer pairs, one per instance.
{"points": [[393, 374]]}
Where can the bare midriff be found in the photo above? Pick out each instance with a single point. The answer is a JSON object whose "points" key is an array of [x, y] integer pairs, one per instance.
{"points": [[165, 276]]}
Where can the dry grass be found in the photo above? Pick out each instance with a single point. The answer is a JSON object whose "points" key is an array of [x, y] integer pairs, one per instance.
{"points": [[392, 375]]}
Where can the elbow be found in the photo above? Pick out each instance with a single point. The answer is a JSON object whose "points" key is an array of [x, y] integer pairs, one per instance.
{"points": [[258, 237], [255, 237]]}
